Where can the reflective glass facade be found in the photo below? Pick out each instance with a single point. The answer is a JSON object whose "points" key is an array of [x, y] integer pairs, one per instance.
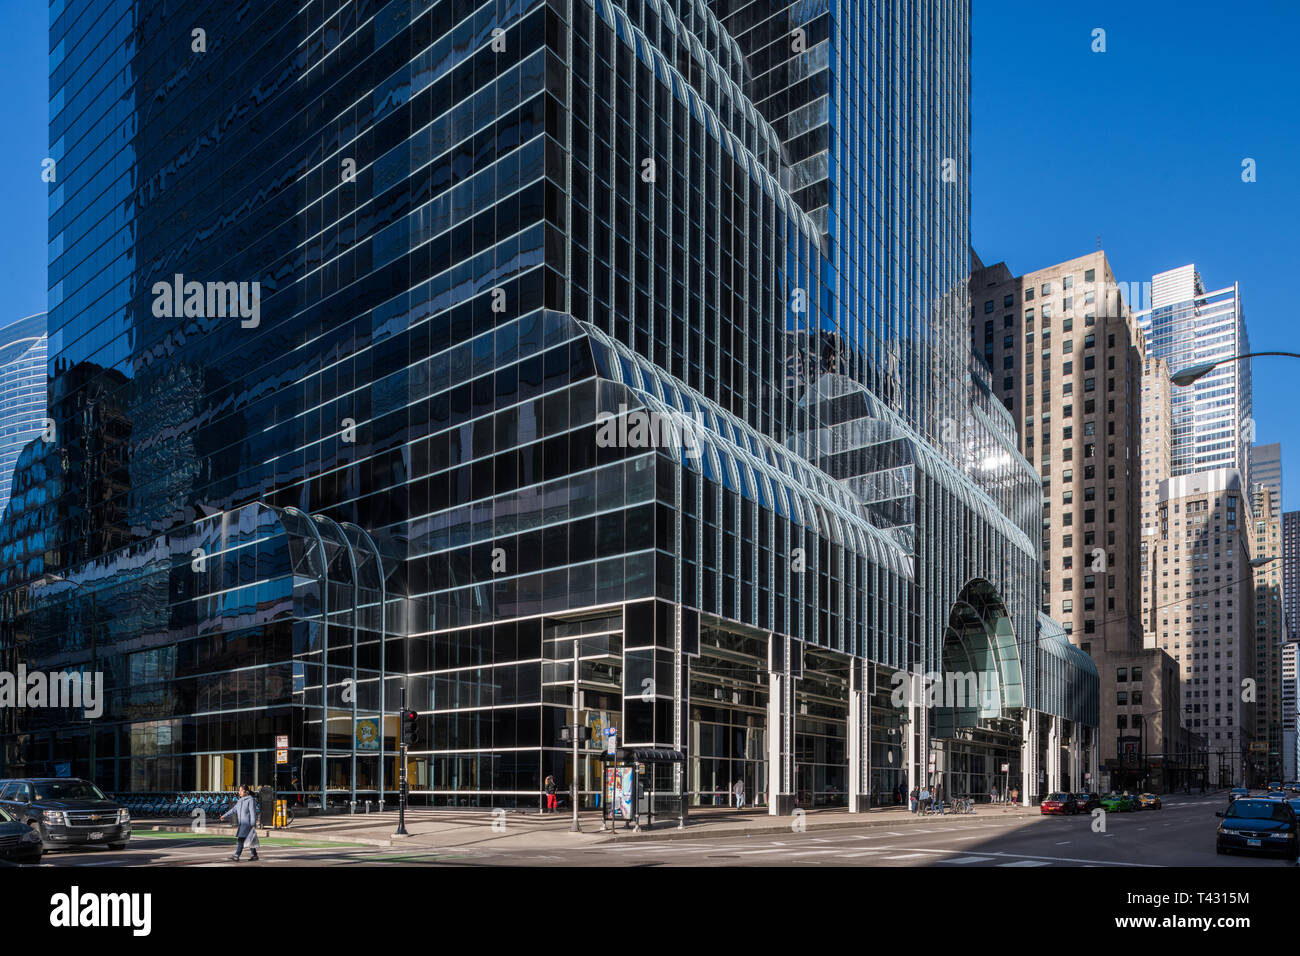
{"points": [[22, 392], [1212, 425], [484, 236]]}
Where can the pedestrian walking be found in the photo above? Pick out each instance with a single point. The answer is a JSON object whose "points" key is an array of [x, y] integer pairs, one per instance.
{"points": [[550, 787], [925, 799], [1015, 795], [739, 791], [245, 811], [915, 798]]}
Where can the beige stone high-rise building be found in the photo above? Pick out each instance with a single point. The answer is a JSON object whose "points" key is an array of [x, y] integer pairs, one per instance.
{"points": [[1067, 359], [1266, 551], [1156, 436], [1203, 610]]}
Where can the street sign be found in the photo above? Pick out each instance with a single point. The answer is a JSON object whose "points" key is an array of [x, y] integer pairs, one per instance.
{"points": [[282, 756], [1006, 767], [611, 740], [281, 741]]}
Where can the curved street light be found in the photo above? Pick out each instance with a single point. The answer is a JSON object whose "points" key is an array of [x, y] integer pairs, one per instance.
{"points": [[1190, 374]]}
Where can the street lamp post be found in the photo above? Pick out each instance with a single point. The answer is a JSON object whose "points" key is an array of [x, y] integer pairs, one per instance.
{"points": [[1186, 376]]}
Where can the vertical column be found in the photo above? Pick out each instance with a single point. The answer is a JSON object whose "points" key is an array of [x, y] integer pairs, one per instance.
{"points": [[859, 736], [778, 678], [1076, 758], [913, 778], [923, 734], [1028, 754], [1054, 755]]}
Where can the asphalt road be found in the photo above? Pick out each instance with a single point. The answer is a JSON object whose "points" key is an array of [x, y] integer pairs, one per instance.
{"points": [[1180, 834]]}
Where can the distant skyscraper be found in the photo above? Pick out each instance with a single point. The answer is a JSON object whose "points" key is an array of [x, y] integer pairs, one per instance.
{"points": [[1203, 613], [1266, 543], [1266, 471], [1066, 360], [22, 392], [1290, 714], [1212, 426], [1291, 573]]}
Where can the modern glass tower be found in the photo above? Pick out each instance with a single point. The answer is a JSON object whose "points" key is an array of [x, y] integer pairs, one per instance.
{"points": [[22, 392], [1212, 424], [486, 353]]}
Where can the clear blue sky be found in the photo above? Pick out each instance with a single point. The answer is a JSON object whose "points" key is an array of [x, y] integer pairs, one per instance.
{"points": [[24, 117], [1143, 145]]}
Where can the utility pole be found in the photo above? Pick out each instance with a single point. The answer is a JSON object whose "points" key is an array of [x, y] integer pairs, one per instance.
{"points": [[575, 826]]}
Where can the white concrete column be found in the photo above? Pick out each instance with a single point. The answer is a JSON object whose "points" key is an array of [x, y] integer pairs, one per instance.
{"points": [[1054, 755], [1076, 759], [775, 728], [1028, 754], [859, 736], [913, 778]]}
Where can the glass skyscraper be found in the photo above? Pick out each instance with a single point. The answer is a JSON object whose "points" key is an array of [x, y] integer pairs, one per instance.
{"points": [[1212, 423], [347, 302], [22, 392]]}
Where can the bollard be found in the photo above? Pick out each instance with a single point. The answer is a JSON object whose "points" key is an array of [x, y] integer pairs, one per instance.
{"points": [[352, 807]]}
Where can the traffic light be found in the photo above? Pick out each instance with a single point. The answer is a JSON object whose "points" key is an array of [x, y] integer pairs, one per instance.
{"points": [[409, 733]]}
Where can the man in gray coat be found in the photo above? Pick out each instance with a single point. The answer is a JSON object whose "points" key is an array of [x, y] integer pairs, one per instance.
{"points": [[245, 812]]}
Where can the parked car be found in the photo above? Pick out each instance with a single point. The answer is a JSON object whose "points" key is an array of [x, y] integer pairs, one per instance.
{"points": [[19, 843], [1258, 825], [1059, 803], [1148, 801], [1118, 803], [66, 811], [1087, 802]]}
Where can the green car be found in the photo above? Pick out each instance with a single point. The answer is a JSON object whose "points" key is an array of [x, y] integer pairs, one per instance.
{"points": [[1118, 803]]}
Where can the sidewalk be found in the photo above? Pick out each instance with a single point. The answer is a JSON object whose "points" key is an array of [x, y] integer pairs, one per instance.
{"points": [[518, 830]]}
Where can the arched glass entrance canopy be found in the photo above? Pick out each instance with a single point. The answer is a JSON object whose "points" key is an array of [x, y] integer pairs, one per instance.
{"points": [[981, 671]]}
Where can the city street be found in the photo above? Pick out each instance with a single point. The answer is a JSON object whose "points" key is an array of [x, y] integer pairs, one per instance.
{"points": [[1181, 834]]}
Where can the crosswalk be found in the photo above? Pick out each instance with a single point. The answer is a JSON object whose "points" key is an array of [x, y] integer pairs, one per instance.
{"points": [[877, 848]]}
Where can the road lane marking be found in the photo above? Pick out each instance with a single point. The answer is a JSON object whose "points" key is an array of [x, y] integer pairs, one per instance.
{"points": [[1025, 863]]}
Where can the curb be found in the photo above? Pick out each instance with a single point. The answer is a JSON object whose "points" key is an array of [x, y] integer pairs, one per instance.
{"points": [[274, 834]]}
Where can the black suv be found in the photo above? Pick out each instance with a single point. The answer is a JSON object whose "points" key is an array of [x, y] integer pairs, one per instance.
{"points": [[66, 811]]}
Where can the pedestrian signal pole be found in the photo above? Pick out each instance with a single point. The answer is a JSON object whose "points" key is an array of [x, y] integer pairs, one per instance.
{"points": [[408, 737]]}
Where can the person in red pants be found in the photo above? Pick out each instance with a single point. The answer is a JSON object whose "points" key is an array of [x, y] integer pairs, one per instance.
{"points": [[550, 788]]}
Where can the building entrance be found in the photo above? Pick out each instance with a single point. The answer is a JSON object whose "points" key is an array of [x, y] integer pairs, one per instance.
{"points": [[728, 714]]}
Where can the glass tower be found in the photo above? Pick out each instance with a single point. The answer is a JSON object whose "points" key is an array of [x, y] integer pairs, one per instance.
{"points": [[522, 359], [1212, 423], [22, 392]]}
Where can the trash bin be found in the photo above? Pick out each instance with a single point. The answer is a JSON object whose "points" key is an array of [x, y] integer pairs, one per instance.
{"points": [[266, 804]]}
